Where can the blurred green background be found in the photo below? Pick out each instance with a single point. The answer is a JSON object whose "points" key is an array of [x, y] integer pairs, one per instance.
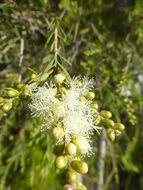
{"points": [[102, 39]]}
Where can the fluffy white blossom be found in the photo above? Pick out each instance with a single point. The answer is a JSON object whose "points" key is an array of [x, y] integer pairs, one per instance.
{"points": [[72, 111]]}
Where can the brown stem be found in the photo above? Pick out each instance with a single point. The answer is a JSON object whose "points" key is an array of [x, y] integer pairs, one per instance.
{"points": [[56, 55], [56, 48], [102, 150], [21, 59]]}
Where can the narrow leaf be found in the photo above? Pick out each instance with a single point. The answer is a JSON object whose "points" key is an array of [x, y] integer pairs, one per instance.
{"points": [[49, 38], [49, 66], [31, 70], [65, 60]]}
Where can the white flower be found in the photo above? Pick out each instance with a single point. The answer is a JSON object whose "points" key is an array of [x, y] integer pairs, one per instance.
{"points": [[83, 145], [75, 115]]}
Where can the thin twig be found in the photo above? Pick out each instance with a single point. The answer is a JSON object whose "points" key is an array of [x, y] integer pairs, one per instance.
{"points": [[76, 31], [99, 36], [102, 152], [6, 49], [21, 59], [56, 46], [75, 49], [62, 14], [56, 54]]}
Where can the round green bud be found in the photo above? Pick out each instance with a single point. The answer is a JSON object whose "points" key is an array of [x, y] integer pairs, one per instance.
{"points": [[2, 100], [90, 95], [25, 92], [71, 176], [61, 162], [59, 78], [119, 126], [79, 166], [6, 106], [106, 114], [80, 186], [71, 149], [125, 100], [111, 134], [58, 149], [94, 105], [12, 93], [33, 76], [58, 132], [130, 102], [20, 86], [107, 123], [11, 137], [97, 120]]}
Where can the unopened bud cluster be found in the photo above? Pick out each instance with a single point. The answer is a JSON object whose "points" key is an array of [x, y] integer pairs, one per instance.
{"points": [[130, 110], [123, 90], [11, 97]]}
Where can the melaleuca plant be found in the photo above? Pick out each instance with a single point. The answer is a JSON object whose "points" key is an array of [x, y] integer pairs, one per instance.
{"points": [[68, 110]]}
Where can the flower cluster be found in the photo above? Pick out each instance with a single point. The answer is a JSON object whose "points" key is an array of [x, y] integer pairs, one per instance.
{"points": [[68, 109], [72, 111]]}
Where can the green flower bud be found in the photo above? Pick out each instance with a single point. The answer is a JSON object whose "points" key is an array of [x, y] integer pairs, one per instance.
{"points": [[80, 186], [25, 92], [79, 166], [33, 76], [108, 123], [61, 162], [71, 176], [11, 137], [94, 105], [130, 102], [106, 114], [90, 95], [12, 93], [6, 106], [20, 86], [119, 126], [71, 149], [59, 78], [111, 134], [2, 100], [58, 149], [58, 132], [97, 120]]}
